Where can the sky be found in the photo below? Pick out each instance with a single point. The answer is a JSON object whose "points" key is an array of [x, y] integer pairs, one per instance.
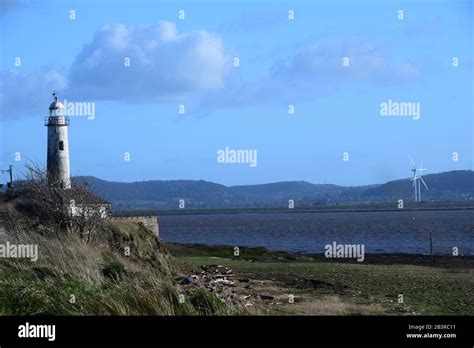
{"points": [[305, 99]]}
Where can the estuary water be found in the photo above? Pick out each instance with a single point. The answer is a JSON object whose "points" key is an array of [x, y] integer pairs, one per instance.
{"points": [[379, 232]]}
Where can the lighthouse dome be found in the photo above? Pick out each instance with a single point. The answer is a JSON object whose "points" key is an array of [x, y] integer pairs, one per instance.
{"points": [[56, 105], [56, 108]]}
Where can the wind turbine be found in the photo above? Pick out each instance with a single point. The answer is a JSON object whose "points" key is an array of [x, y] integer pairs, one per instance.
{"points": [[421, 179], [414, 178], [417, 179]]}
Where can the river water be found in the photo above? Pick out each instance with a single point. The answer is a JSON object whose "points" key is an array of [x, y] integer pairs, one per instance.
{"points": [[379, 232]]}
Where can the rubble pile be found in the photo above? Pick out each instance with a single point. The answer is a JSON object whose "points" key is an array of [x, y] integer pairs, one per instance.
{"points": [[219, 280]]}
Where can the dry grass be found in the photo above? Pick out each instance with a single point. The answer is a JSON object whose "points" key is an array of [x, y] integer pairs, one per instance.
{"points": [[99, 275], [333, 305]]}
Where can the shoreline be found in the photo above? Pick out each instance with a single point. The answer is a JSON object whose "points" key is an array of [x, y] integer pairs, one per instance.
{"points": [[264, 255], [326, 208]]}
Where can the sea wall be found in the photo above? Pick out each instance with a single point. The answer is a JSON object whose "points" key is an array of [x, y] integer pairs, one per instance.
{"points": [[150, 222]]}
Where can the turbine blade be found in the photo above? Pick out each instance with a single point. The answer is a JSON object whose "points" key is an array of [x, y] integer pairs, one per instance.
{"points": [[423, 181], [412, 162]]}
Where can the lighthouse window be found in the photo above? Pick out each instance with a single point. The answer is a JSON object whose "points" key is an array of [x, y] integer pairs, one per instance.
{"points": [[61, 145]]}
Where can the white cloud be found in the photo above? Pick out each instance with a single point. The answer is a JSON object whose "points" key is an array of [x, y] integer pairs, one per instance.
{"points": [[164, 64], [24, 95], [315, 69], [322, 61]]}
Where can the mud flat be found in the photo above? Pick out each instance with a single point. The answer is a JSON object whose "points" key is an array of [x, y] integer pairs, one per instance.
{"points": [[299, 284]]}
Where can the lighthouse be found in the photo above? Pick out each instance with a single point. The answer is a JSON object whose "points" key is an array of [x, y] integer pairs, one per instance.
{"points": [[58, 146]]}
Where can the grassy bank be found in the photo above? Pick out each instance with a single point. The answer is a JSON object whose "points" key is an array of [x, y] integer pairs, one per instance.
{"points": [[122, 271], [429, 286]]}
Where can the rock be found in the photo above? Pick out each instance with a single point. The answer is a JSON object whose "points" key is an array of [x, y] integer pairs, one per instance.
{"points": [[266, 297], [224, 281], [187, 280]]}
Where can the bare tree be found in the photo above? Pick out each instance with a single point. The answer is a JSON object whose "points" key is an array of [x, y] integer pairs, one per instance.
{"points": [[75, 209]]}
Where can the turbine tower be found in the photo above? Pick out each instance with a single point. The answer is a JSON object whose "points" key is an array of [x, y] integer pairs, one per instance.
{"points": [[422, 181], [417, 179], [58, 146], [414, 178]]}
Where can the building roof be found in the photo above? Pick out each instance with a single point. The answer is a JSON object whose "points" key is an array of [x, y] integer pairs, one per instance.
{"points": [[56, 104]]}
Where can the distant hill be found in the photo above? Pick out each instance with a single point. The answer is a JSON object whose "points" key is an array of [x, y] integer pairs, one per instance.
{"points": [[448, 186], [159, 194]]}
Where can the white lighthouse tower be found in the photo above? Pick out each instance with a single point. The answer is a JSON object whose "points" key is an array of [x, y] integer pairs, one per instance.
{"points": [[58, 145]]}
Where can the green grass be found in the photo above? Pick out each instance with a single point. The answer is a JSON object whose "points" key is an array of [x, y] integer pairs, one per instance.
{"points": [[73, 277], [208, 304], [22, 295], [426, 290]]}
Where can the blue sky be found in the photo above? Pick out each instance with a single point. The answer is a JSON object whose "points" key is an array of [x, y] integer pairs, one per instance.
{"points": [[189, 62]]}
